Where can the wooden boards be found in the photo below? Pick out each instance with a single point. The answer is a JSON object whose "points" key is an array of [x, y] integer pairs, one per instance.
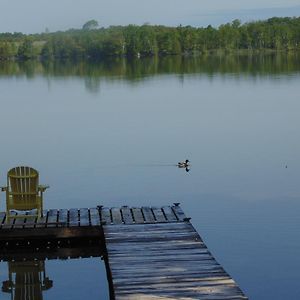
{"points": [[53, 218], [81, 223], [55, 224], [164, 261]]}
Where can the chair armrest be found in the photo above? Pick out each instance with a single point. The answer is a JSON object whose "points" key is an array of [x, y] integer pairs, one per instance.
{"points": [[4, 188], [42, 188]]}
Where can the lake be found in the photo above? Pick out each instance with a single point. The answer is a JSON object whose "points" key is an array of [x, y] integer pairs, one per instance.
{"points": [[111, 133]]}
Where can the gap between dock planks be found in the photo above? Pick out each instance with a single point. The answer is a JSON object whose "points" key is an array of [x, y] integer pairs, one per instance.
{"points": [[164, 261]]}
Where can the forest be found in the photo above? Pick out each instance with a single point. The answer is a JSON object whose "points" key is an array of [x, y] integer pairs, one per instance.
{"points": [[274, 34]]}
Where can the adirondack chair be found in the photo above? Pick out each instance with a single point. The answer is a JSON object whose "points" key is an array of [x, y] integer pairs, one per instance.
{"points": [[23, 192]]}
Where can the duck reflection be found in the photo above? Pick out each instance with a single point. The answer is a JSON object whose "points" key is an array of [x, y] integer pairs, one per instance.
{"points": [[27, 280]]}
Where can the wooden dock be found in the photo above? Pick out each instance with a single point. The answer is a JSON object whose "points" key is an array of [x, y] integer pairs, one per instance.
{"points": [[150, 252]]}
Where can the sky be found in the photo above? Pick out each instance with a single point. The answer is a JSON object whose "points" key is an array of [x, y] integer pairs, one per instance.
{"points": [[34, 16]]}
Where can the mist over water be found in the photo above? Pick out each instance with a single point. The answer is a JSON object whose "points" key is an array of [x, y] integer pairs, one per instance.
{"points": [[111, 133]]}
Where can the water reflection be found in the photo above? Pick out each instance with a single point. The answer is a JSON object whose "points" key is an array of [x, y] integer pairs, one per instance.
{"points": [[263, 64], [30, 269], [26, 280], [235, 117]]}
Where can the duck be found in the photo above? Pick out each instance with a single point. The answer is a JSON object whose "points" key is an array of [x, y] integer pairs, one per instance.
{"points": [[183, 164]]}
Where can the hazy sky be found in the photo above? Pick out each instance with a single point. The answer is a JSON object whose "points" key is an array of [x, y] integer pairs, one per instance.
{"points": [[37, 15]]}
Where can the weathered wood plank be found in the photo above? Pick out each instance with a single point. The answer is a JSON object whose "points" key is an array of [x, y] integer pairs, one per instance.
{"points": [[148, 215], [95, 217], [62, 217], [149, 231], [20, 221], [137, 215], [73, 217], [169, 214], [159, 215], [105, 215], [116, 215], [189, 293], [9, 224], [195, 284], [126, 215], [156, 248], [52, 218], [41, 222], [154, 227], [84, 217], [178, 278], [179, 212], [30, 221]]}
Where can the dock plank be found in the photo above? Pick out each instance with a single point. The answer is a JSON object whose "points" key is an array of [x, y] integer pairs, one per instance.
{"points": [[9, 224], [159, 215], [62, 217], [95, 217], [105, 215], [164, 261], [169, 214], [178, 212], [30, 221], [41, 222], [126, 215], [116, 215], [52, 218], [148, 215], [73, 217], [137, 215], [20, 221], [84, 218]]}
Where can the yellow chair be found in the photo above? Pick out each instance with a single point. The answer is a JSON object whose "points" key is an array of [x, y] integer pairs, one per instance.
{"points": [[23, 192]]}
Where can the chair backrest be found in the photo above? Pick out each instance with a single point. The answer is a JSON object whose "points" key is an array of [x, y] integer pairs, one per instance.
{"points": [[22, 185]]}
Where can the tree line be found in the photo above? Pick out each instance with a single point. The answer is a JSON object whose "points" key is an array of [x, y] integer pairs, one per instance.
{"points": [[147, 40]]}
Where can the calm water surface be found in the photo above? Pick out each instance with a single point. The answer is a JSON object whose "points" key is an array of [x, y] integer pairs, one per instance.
{"points": [[110, 134]]}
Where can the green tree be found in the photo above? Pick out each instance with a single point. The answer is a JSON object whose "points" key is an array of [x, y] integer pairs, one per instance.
{"points": [[113, 45], [132, 41], [26, 50], [90, 25], [148, 42], [7, 50], [47, 50]]}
